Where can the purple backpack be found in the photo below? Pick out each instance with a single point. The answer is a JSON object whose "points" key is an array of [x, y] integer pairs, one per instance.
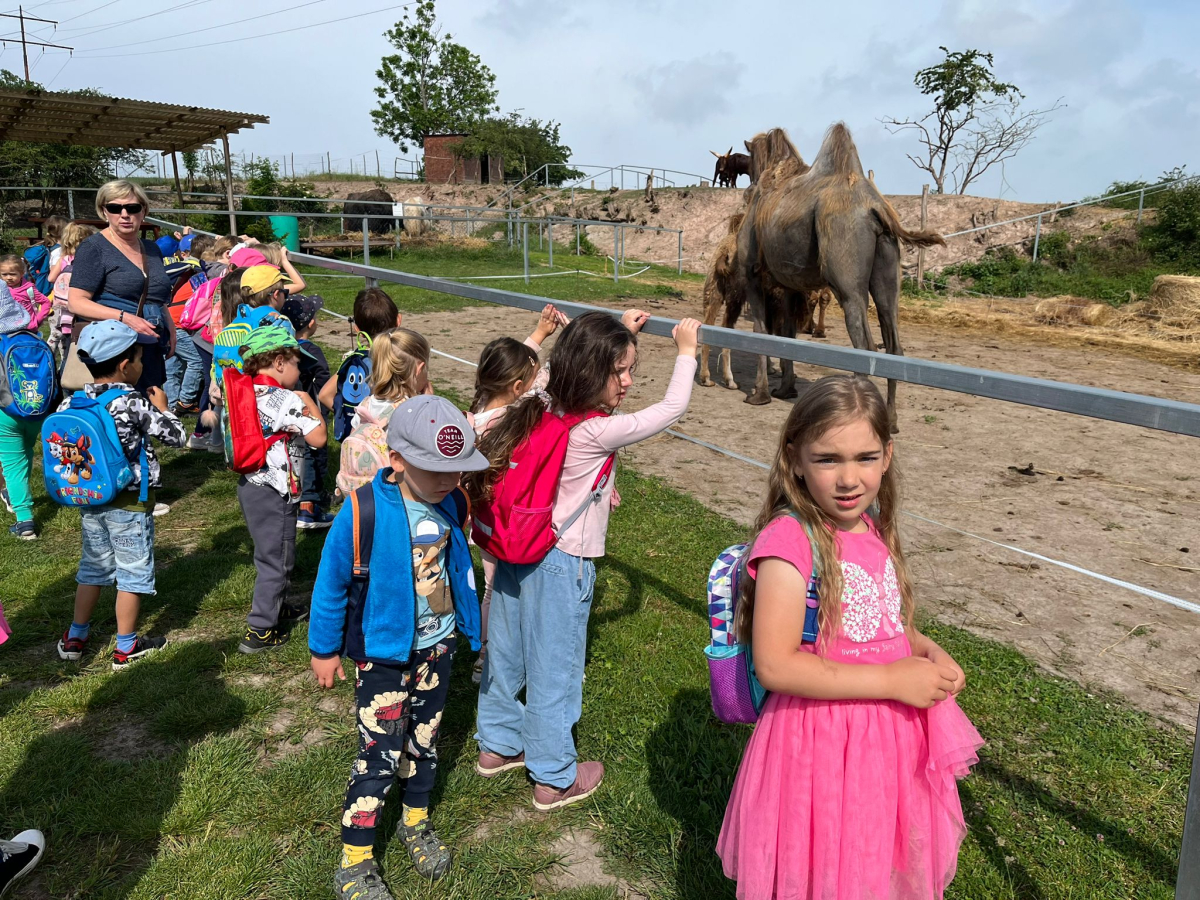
{"points": [[737, 695]]}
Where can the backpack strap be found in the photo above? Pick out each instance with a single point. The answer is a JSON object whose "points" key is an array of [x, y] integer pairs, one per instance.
{"points": [[362, 504], [462, 506], [143, 463], [602, 477]]}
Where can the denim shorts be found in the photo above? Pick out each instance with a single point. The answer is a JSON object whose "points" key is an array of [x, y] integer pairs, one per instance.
{"points": [[118, 546]]}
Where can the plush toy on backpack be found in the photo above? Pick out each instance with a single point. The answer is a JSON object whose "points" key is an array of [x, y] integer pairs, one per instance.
{"points": [[28, 375], [737, 696], [353, 385]]}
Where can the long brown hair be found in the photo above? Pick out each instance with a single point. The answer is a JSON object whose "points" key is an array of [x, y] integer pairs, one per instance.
{"points": [[828, 403], [582, 363], [503, 363]]}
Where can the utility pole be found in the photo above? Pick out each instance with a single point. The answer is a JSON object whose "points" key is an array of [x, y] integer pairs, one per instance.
{"points": [[25, 44]]}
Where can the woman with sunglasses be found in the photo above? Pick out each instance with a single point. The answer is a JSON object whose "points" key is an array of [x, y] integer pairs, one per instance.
{"points": [[118, 275]]}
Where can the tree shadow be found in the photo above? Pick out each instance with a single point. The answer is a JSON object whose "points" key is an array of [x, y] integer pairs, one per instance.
{"points": [[693, 759], [102, 784]]}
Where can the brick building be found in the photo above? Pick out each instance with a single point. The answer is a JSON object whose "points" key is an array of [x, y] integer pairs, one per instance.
{"points": [[443, 167]]}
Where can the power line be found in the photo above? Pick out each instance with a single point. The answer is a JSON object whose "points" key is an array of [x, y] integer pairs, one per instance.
{"points": [[88, 30], [222, 26], [256, 37]]}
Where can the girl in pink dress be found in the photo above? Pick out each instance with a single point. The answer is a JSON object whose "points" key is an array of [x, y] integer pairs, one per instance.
{"points": [[847, 789]]}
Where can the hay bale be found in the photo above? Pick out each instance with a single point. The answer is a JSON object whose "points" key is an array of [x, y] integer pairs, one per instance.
{"points": [[1071, 311], [1179, 294]]}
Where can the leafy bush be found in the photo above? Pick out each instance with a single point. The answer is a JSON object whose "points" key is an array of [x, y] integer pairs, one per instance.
{"points": [[1175, 235]]}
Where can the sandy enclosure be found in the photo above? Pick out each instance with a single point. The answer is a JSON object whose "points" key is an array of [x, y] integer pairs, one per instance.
{"points": [[1110, 498]]}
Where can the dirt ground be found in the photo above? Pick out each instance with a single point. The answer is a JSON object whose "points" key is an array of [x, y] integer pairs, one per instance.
{"points": [[1110, 498]]}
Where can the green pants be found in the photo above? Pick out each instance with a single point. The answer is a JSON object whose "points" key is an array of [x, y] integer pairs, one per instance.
{"points": [[18, 440]]}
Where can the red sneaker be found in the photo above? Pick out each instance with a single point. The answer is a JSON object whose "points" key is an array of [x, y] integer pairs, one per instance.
{"points": [[588, 776], [491, 764], [71, 648]]}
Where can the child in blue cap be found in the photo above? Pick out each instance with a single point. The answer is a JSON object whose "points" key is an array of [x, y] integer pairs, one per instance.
{"points": [[118, 539]]}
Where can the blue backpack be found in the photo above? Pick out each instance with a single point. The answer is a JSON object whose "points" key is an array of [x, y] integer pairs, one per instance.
{"points": [[28, 375], [37, 260], [227, 344], [737, 695], [353, 387], [82, 458]]}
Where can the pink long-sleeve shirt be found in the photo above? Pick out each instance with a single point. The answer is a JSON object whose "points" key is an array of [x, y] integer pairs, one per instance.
{"points": [[590, 445], [34, 301]]}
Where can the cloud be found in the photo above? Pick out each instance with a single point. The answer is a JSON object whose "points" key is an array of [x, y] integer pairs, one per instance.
{"points": [[687, 92], [518, 18]]}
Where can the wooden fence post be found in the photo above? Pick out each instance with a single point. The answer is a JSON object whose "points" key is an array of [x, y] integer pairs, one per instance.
{"points": [[924, 223]]}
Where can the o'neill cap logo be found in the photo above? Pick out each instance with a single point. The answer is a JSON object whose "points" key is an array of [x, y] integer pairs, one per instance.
{"points": [[450, 441]]}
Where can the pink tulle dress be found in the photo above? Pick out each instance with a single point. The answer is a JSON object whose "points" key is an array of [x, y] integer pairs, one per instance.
{"points": [[848, 799]]}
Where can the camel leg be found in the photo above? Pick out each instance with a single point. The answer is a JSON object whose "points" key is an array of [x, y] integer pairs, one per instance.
{"points": [[822, 305], [885, 288], [727, 369], [712, 305], [705, 379], [790, 315]]}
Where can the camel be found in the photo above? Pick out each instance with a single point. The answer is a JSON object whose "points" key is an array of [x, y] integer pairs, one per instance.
{"points": [[722, 293], [825, 225]]}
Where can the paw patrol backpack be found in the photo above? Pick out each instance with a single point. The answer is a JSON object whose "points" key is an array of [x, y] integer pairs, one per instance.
{"points": [[82, 458]]}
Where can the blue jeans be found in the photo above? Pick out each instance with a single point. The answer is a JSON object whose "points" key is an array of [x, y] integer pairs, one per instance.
{"points": [[184, 372], [537, 635], [118, 546]]}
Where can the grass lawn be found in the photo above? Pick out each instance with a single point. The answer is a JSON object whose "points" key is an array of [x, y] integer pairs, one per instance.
{"points": [[203, 773]]}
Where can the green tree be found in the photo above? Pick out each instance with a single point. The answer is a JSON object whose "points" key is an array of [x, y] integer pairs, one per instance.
{"points": [[262, 180], [976, 120], [431, 85], [525, 145], [1175, 234]]}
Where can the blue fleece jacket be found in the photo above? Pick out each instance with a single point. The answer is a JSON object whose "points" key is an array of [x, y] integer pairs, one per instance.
{"points": [[384, 629]]}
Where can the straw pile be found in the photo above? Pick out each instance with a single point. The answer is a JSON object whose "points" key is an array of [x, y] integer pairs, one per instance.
{"points": [[1172, 310], [1071, 311]]}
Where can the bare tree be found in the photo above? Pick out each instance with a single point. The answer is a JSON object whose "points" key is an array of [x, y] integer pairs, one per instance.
{"points": [[976, 121]]}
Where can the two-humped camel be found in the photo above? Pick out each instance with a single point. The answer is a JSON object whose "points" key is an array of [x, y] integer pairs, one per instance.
{"points": [[723, 293], [825, 225]]}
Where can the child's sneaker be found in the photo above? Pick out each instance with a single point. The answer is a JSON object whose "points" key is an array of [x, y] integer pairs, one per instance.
{"points": [[160, 509], [430, 857], [588, 776], [257, 641], [7, 503], [360, 882], [70, 648], [291, 612], [19, 856], [23, 531], [312, 516], [490, 764], [142, 647], [187, 409], [198, 441]]}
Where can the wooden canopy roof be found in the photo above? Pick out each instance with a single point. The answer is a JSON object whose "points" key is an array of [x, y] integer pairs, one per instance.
{"points": [[57, 118]]}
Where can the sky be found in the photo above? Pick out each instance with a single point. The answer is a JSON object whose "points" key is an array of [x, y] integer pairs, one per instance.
{"points": [[660, 83]]}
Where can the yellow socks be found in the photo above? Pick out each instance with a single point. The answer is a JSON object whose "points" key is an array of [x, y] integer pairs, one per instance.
{"points": [[352, 856], [414, 816]]}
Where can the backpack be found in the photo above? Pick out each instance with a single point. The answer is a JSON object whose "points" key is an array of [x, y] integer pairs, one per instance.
{"points": [[29, 375], [362, 508], [353, 387], [37, 260], [364, 452], [227, 344], [737, 696], [198, 308], [82, 458], [517, 524], [249, 444]]}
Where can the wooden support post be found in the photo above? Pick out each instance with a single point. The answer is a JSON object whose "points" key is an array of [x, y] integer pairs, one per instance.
{"points": [[233, 229], [924, 223], [178, 187]]}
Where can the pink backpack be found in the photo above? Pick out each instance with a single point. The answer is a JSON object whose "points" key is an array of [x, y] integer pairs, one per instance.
{"points": [[364, 452], [198, 309], [517, 524]]}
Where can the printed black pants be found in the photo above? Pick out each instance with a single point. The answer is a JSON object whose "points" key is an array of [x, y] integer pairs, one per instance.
{"points": [[399, 710]]}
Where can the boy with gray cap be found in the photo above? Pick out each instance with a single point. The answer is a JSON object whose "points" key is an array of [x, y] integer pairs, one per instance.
{"points": [[398, 627], [118, 539]]}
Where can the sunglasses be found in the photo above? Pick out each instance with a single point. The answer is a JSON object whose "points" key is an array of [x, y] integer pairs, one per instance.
{"points": [[117, 208]]}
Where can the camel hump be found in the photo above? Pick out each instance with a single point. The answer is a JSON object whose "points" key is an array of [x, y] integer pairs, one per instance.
{"points": [[838, 155]]}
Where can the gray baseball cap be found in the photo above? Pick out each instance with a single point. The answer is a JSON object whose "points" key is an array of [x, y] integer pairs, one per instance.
{"points": [[432, 434]]}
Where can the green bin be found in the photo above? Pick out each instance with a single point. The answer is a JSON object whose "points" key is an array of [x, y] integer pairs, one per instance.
{"points": [[287, 229]]}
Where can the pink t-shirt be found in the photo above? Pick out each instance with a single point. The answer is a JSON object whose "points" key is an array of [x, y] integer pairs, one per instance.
{"points": [[871, 602]]}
